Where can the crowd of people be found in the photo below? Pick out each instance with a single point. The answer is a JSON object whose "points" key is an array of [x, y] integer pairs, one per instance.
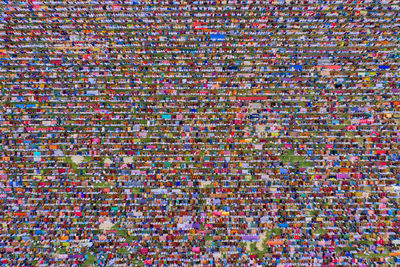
{"points": [[205, 133]]}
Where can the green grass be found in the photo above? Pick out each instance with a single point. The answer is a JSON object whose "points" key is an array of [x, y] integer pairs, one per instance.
{"points": [[366, 242], [360, 140], [289, 157], [123, 233], [138, 261], [314, 213], [373, 255], [268, 236], [254, 250], [320, 231], [209, 186], [208, 237], [123, 251], [69, 161], [136, 190], [348, 248], [87, 159], [91, 260], [61, 251], [103, 185]]}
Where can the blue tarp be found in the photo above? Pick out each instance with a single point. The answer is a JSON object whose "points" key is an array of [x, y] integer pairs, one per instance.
{"points": [[283, 225], [297, 67], [92, 92], [217, 37], [254, 116], [26, 105]]}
